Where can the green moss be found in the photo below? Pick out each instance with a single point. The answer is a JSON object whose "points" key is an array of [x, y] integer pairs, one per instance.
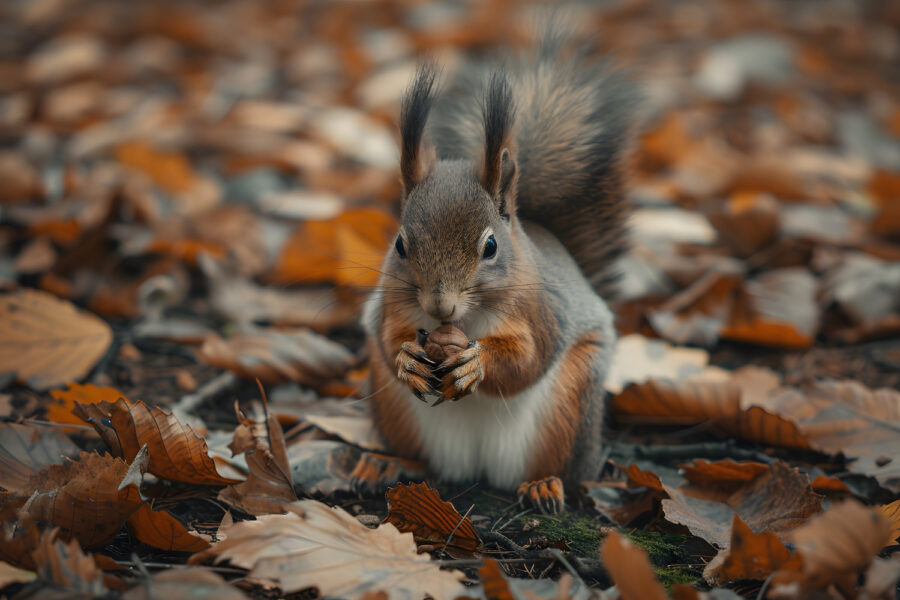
{"points": [[580, 533], [666, 549]]}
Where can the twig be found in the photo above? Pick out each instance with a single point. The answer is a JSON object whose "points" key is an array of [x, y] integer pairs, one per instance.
{"points": [[450, 537], [558, 555], [512, 518], [464, 492], [210, 389], [502, 540], [765, 586]]}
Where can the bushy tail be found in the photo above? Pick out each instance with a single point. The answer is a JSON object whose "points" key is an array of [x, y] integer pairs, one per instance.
{"points": [[573, 123]]}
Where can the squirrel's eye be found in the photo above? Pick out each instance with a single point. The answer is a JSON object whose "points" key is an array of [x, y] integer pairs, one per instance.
{"points": [[490, 248], [399, 246]]}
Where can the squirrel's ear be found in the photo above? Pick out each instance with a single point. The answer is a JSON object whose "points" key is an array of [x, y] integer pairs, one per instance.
{"points": [[497, 169], [417, 156]]}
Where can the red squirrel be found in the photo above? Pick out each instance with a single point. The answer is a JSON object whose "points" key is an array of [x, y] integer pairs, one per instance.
{"points": [[512, 214]]}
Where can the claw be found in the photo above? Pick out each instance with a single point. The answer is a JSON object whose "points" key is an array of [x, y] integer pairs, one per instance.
{"points": [[547, 495]]}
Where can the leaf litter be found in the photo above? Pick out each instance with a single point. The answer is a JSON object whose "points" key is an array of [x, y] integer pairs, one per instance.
{"points": [[204, 196]]}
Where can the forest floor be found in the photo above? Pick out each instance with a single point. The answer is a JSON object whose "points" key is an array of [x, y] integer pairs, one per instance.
{"points": [[195, 198]]}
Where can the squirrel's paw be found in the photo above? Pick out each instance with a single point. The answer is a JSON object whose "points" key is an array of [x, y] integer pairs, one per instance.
{"points": [[547, 495], [414, 369], [462, 372]]}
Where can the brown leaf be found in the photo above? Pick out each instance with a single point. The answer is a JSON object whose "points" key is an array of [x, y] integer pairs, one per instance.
{"points": [[47, 341], [749, 556], [719, 402], [60, 411], [169, 170], [26, 450], [277, 356], [188, 583], [496, 587], [892, 513], [839, 544], [65, 566], [161, 530], [327, 548], [885, 188], [88, 499], [776, 501], [269, 484], [418, 508], [725, 474], [345, 250], [176, 452], [630, 569], [747, 222], [642, 478]]}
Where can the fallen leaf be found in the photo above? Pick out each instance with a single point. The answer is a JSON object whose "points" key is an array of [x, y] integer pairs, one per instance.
{"points": [[345, 250], [26, 450], [418, 508], [642, 478], [326, 467], [727, 404], [88, 499], [725, 474], [496, 587], [747, 223], [269, 484], [327, 548], [60, 411], [892, 514], [176, 452], [278, 356], [839, 544], [885, 188], [188, 583], [776, 501], [169, 170], [10, 575], [47, 341], [638, 359], [349, 420], [630, 570], [161, 530], [749, 556], [63, 565]]}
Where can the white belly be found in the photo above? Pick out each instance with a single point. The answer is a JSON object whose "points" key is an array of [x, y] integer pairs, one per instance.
{"points": [[482, 436]]}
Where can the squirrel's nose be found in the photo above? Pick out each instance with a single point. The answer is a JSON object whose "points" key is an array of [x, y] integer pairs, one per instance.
{"points": [[440, 306]]}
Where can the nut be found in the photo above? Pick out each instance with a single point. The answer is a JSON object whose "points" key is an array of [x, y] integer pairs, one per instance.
{"points": [[445, 341]]}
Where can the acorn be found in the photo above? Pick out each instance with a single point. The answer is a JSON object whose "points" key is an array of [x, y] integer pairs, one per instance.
{"points": [[445, 341]]}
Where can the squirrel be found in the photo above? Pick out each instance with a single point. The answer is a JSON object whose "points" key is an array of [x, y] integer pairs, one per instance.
{"points": [[512, 214]]}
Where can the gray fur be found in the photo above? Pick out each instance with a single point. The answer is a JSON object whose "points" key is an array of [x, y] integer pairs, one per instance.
{"points": [[571, 135]]}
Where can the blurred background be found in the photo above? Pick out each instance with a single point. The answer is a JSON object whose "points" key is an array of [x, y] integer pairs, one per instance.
{"points": [[213, 165]]}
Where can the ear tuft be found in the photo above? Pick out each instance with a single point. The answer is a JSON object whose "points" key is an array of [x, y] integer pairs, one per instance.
{"points": [[497, 168], [416, 157]]}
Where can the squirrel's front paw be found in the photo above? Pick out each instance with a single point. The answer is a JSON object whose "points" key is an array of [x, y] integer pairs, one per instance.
{"points": [[414, 369], [462, 372]]}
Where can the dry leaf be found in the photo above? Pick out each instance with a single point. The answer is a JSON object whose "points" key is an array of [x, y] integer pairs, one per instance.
{"points": [[496, 587], [176, 452], [638, 359], [278, 356], [161, 530], [26, 450], [189, 583], [725, 474], [344, 250], [642, 478], [892, 514], [47, 341], [839, 544], [63, 565], [630, 569], [269, 484], [349, 420], [60, 411], [327, 548], [776, 501], [418, 508], [88, 499], [749, 556]]}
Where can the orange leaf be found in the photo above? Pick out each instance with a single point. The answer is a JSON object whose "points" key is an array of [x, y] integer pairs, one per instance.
{"points": [[348, 249], [724, 473], [642, 478], [76, 393], [630, 569], [176, 452], [161, 530], [885, 188], [892, 513], [169, 170], [749, 556], [495, 584], [47, 341], [418, 508]]}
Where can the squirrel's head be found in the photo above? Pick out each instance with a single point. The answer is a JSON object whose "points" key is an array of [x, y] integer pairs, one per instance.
{"points": [[456, 244]]}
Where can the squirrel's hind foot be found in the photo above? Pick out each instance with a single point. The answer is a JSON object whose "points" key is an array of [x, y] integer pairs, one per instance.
{"points": [[547, 495]]}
